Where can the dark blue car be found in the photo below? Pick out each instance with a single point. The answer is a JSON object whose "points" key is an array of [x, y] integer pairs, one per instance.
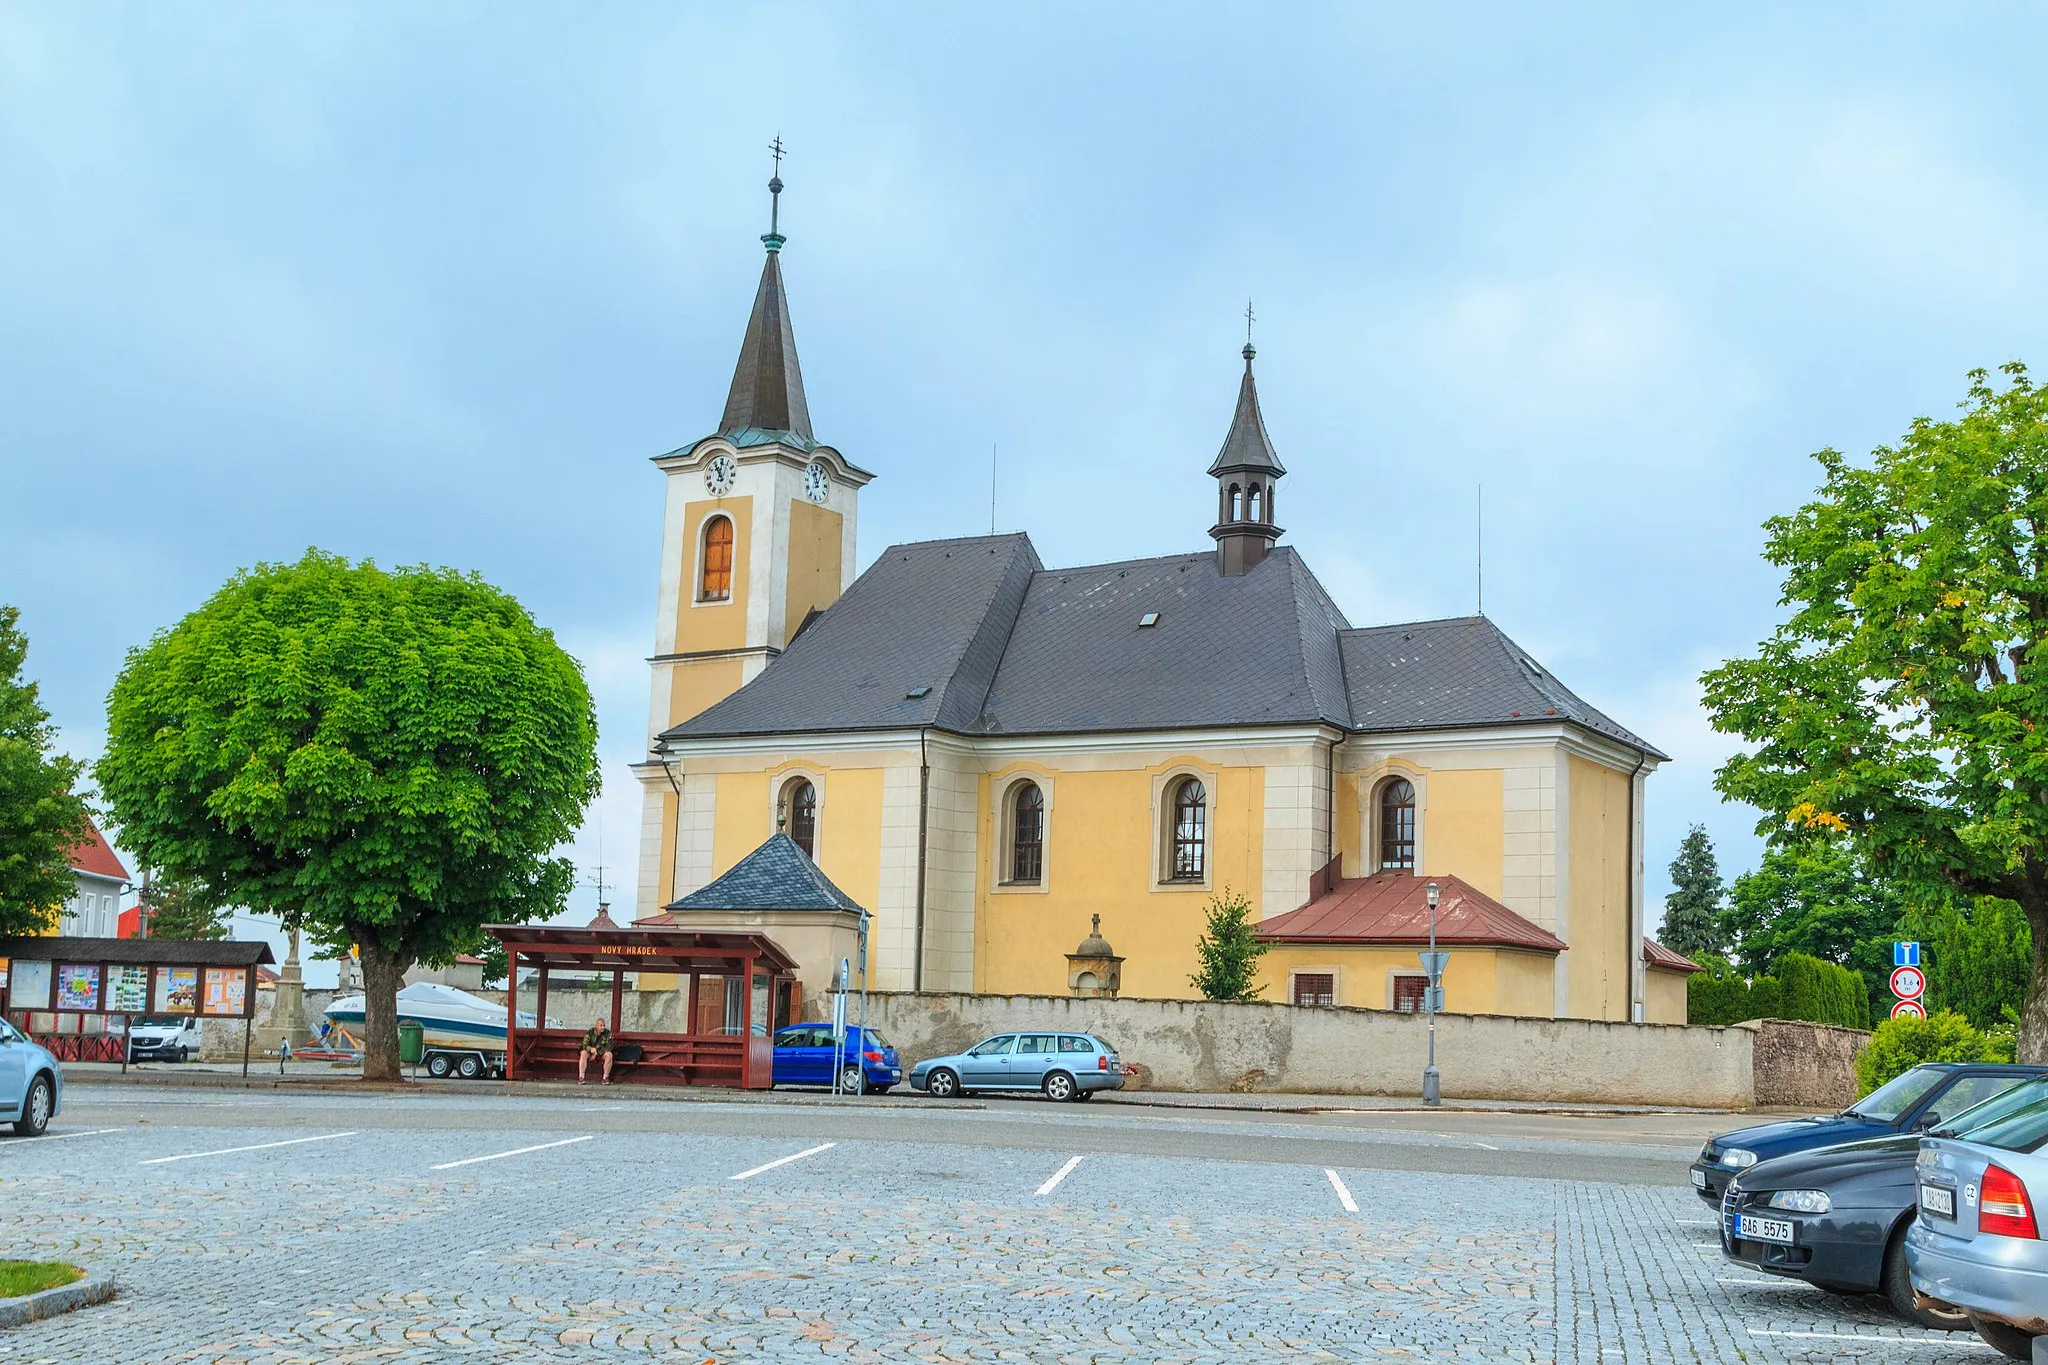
{"points": [[1912, 1102], [803, 1056]]}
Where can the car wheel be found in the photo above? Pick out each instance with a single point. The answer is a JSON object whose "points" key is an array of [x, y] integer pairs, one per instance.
{"points": [[438, 1066], [182, 1054], [943, 1084], [1059, 1086], [1898, 1290], [2006, 1339], [852, 1082], [36, 1108], [470, 1068]]}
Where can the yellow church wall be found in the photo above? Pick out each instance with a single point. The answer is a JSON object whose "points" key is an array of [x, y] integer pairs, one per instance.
{"points": [[1101, 829], [1598, 886], [714, 625], [695, 684], [850, 832], [814, 562], [1476, 980], [1462, 827], [1525, 984], [743, 821], [1352, 850], [1666, 996]]}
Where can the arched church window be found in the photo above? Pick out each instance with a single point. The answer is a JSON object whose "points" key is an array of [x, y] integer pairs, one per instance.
{"points": [[1397, 826], [800, 815], [1252, 504], [1027, 833], [1190, 831], [714, 579], [1236, 503]]}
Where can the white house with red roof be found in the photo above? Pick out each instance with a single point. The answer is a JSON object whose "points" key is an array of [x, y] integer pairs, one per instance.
{"points": [[94, 909]]}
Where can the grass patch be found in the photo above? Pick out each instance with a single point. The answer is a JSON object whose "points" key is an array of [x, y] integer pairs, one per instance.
{"points": [[32, 1277]]}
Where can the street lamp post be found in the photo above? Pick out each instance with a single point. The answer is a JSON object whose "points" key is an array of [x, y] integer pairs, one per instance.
{"points": [[1432, 1085]]}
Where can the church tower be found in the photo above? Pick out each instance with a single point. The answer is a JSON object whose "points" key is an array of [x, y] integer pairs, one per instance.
{"points": [[1246, 471], [758, 534]]}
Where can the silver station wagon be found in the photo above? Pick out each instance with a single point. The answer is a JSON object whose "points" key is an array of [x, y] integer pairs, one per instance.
{"points": [[1062, 1066]]}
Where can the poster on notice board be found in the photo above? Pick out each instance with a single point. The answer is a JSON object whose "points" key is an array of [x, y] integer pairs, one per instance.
{"points": [[128, 990], [227, 990], [28, 986], [177, 990]]}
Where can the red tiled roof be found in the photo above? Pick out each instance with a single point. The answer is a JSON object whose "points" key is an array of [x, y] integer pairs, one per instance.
{"points": [[603, 919], [1657, 955], [1393, 907], [95, 857]]}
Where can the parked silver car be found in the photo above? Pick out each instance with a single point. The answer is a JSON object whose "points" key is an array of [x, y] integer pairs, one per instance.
{"points": [[1977, 1240], [31, 1082], [1065, 1066]]}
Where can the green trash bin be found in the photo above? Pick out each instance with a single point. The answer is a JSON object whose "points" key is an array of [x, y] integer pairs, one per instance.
{"points": [[412, 1042]]}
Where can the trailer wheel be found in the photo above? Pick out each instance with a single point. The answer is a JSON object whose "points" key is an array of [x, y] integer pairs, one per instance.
{"points": [[438, 1065], [470, 1068]]}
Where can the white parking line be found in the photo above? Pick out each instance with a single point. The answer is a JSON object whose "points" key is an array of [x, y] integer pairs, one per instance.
{"points": [[253, 1147], [1487, 1145], [1764, 1284], [1952, 1342], [1061, 1174], [1696, 1223], [1343, 1194], [90, 1132], [516, 1151], [784, 1161]]}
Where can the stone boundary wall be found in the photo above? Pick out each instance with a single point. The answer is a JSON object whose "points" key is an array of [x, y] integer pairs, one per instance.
{"points": [[1212, 1047], [1205, 1046], [1807, 1065]]}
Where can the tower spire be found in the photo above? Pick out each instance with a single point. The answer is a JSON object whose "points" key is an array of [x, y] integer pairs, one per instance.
{"points": [[1246, 471], [766, 401]]}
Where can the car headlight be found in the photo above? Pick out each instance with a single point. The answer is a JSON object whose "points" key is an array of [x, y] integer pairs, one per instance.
{"points": [[1738, 1158], [1801, 1201]]}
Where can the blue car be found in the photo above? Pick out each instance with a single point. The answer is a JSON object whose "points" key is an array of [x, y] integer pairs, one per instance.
{"points": [[31, 1083], [803, 1056], [1912, 1102], [1061, 1066]]}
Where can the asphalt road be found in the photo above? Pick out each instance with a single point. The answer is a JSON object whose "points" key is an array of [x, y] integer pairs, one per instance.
{"points": [[1635, 1148]]}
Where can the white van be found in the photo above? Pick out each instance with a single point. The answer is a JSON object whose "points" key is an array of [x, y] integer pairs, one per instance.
{"points": [[163, 1038]]}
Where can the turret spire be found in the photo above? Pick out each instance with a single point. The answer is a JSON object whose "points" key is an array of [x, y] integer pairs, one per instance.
{"points": [[766, 401], [1246, 471]]}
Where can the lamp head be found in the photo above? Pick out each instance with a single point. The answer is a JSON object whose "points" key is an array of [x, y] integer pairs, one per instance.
{"points": [[1433, 894]]}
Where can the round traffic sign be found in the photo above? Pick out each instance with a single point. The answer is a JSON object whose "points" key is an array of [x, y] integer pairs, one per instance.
{"points": [[1908, 983], [1909, 1008]]}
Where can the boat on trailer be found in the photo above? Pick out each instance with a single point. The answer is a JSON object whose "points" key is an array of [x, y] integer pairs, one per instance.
{"points": [[463, 1034]]}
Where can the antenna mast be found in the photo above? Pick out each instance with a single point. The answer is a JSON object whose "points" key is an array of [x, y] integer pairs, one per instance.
{"points": [[1479, 547]]}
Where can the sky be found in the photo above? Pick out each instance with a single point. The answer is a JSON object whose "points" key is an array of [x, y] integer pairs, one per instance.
{"points": [[430, 284]]}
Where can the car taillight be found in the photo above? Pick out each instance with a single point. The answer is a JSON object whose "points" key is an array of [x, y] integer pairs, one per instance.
{"points": [[875, 1057], [2002, 1206], [1101, 1062]]}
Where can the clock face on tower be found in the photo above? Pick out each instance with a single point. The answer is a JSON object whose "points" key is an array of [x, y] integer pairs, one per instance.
{"points": [[719, 474], [817, 482]]}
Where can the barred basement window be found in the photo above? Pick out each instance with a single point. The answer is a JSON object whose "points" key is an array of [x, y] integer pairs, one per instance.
{"points": [[1408, 993], [1315, 988]]}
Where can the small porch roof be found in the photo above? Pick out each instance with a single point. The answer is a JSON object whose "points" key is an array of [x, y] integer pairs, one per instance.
{"points": [[778, 875], [1393, 908], [641, 948], [1657, 955]]}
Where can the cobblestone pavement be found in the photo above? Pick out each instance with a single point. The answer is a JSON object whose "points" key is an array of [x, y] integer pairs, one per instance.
{"points": [[637, 1245]]}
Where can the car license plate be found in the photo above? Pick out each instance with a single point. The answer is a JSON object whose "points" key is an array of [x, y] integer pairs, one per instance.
{"points": [[1939, 1200], [1699, 1180], [1753, 1229]]}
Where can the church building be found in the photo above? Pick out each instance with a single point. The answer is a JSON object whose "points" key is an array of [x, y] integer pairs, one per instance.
{"points": [[989, 753]]}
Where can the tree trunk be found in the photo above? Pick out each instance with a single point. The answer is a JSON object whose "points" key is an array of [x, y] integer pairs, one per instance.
{"points": [[2033, 1048], [383, 974]]}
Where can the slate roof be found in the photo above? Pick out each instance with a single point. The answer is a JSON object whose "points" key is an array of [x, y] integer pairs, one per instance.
{"points": [[1393, 907], [766, 401], [775, 876], [1247, 445], [1459, 672], [1007, 647]]}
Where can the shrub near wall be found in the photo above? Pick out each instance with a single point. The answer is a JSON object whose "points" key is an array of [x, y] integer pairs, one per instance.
{"points": [[1901, 1044], [1805, 989]]}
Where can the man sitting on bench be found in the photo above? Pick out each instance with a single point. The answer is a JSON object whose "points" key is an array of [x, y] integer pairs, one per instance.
{"points": [[597, 1042]]}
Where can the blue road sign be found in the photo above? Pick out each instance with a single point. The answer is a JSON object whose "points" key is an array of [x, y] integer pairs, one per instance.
{"points": [[1905, 955]]}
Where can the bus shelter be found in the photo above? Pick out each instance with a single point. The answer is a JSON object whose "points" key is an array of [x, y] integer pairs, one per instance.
{"points": [[753, 977], [77, 996]]}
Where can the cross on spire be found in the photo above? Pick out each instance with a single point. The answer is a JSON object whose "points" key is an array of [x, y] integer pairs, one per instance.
{"points": [[1249, 351], [774, 238]]}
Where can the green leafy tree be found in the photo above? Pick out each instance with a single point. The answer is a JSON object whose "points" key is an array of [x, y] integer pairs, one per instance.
{"points": [[395, 754], [1692, 922], [42, 817], [1817, 897], [1903, 700], [180, 909], [1899, 1045], [1230, 950]]}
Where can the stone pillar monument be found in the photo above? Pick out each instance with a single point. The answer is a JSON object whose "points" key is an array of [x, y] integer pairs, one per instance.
{"points": [[1094, 969], [287, 1022]]}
